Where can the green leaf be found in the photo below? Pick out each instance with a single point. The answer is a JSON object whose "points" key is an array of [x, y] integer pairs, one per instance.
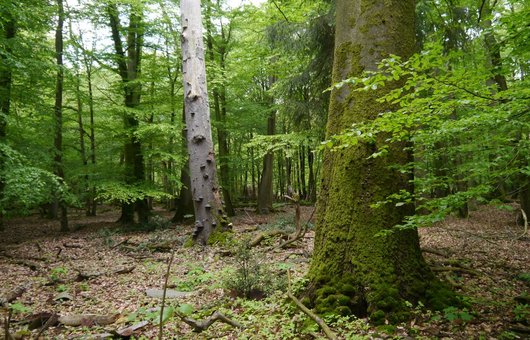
{"points": [[185, 309]]}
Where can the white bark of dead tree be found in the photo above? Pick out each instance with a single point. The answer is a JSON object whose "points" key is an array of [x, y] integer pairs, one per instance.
{"points": [[206, 200]]}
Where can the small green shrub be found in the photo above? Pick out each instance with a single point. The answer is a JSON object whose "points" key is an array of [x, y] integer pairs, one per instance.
{"points": [[251, 279]]}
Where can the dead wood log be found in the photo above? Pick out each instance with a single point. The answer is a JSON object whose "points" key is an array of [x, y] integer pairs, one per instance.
{"points": [[72, 245], [52, 321], [125, 270], [87, 319], [202, 325], [13, 295], [128, 331]]}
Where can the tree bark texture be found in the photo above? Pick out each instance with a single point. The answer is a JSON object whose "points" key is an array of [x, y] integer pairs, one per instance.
{"points": [[353, 269], [206, 200], [8, 31], [58, 109]]}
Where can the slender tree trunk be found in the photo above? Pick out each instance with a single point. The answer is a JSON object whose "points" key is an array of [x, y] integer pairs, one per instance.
{"points": [[129, 70], [354, 270], [184, 202], [265, 192], [206, 199], [82, 148], [219, 99], [301, 153], [8, 31], [92, 137], [312, 191], [58, 109]]}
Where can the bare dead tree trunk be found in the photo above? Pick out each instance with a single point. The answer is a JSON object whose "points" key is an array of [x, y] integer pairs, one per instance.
{"points": [[206, 200]]}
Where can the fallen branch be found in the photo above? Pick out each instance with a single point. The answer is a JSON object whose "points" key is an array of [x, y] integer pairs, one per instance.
{"points": [[329, 333], [202, 325], [261, 236], [438, 252], [83, 276], [300, 232], [125, 241], [169, 262], [455, 269]]}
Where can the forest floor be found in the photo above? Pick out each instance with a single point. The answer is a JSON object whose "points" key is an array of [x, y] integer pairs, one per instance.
{"points": [[101, 269]]}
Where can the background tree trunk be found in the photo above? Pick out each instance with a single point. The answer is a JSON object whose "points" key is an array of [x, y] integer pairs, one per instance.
{"points": [[8, 31], [219, 98], [353, 270], [129, 70], [206, 200], [58, 109], [265, 193]]}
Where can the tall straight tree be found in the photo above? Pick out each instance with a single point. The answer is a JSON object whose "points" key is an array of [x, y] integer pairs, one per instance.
{"points": [[355, 270], [219, 103], [206, 200], [129, 71], [7, 34], [58, 110]]}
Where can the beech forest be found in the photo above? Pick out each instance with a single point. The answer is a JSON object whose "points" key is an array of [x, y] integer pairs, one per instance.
{"points": [[264, 169]]}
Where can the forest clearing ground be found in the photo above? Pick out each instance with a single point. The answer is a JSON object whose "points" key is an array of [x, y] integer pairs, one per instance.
{"points": [[482, 256]]}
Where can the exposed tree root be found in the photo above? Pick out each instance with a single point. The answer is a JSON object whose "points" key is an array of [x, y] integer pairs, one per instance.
{"points": [[329, 333]]}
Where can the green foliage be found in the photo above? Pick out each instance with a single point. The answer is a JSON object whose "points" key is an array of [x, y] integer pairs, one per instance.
{"points": [[195, 277], [117, 192], [457, 315], [27, 186], [467, 137], [58, 273], [522, 312], [19, 308]]}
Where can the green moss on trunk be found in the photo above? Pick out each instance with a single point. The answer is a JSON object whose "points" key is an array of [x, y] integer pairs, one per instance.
{"points": [[354, 270]]}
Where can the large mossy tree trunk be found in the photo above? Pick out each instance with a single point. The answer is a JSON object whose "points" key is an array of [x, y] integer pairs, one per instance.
{"points": [[7, 31], [209, 213], [355, 270]]}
